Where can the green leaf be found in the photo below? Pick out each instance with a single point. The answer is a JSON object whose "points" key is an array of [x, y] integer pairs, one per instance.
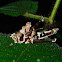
{"points": [[38, 52], [19, 8]]}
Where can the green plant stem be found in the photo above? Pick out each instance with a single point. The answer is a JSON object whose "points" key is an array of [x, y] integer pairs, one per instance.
{"points": [[35, 16], [51, 18]]}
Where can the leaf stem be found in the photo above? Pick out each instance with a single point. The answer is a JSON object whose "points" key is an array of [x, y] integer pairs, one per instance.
{"points": [[54, 11], [35, 16]]}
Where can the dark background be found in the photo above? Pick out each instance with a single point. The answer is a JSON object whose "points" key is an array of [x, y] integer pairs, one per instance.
{"points": [[10, 24]]}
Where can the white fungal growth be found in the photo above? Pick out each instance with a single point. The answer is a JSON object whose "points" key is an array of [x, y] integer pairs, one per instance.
{"points": [[38, 34], [47, 31]]}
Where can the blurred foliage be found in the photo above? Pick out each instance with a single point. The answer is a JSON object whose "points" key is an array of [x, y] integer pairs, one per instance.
{"points": [[19, 8]]}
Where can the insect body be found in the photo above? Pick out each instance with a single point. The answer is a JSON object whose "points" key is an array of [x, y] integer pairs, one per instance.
{"points": [[30, 34]]}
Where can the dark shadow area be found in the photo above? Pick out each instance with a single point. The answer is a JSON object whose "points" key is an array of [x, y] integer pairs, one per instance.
{"points": [[9, 24], [45, 7], [5, 2]]}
